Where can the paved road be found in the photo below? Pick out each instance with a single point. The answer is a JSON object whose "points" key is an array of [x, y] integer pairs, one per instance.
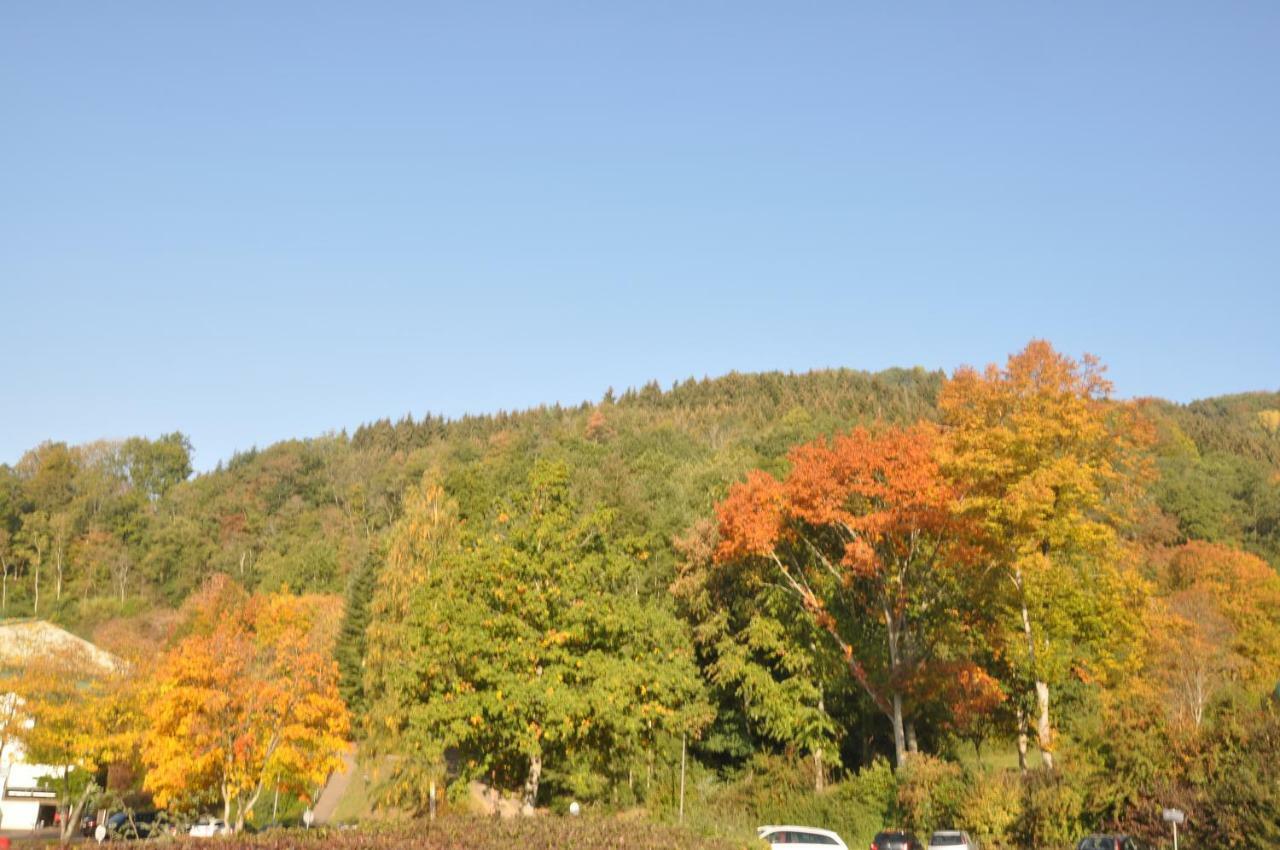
{"points": [[334, 790]]}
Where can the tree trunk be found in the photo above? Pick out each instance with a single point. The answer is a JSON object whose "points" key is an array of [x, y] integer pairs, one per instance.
{"points": [[912, 745], [684, 754], [1044, 732], [4, 592], [71, 813], [899, 737], [1044, 729], [819, 773], [248, 806], [71, 820], [1022, 741], [531, 783]]}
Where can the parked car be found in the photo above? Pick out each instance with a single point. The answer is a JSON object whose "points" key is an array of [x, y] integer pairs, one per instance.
{"points": [[1110, 842], [800, 837], [207, 826], [895, 839], [126, 825], [951, 839]]}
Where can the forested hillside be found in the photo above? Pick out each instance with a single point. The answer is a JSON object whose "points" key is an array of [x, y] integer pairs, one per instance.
{"points": [[661, 601], [86, 529], [128, 522]]}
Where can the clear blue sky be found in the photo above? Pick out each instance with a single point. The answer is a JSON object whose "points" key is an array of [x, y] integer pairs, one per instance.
{"points": [[257, 220]]}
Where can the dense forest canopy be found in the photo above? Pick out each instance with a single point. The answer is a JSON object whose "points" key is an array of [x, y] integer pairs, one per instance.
{"points": [[660, 598], [128, 520]]}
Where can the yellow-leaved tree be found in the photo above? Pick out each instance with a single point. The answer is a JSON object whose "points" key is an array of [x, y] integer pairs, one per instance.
{"points": [[68, 709], [247, 701], [1044, 460]]}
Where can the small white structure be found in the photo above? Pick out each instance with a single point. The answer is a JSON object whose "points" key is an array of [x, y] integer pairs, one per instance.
{"points": [[23, 803]]}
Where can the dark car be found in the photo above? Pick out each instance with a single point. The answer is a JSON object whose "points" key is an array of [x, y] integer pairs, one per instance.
{"points": [[1110, 842], [896, 839], [126, 825]]}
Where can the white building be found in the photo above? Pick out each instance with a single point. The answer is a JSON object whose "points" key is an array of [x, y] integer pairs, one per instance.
{"points": [[23, 803]]}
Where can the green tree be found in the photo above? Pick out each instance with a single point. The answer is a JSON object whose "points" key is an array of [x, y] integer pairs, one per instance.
{"points": [[155, 466], [761, 660], [424, 543], [350, 650], [533, 652], [1241, 768]]}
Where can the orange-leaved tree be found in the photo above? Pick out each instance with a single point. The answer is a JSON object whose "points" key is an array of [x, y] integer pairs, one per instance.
{"points": [[1042, 457], [863, 533], [247, 701], [1215, 624]]}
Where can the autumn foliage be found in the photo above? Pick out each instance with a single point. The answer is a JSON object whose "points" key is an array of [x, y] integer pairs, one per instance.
{"points": [[70, 710], [554, 603], [1047, 465], [864, 528], [246, 702]]}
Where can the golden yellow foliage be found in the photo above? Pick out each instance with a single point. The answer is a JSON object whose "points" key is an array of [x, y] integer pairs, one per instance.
{"points": [[251, 704]]}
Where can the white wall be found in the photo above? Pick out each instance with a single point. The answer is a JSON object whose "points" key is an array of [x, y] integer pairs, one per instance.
{"points": [[19, 805]]}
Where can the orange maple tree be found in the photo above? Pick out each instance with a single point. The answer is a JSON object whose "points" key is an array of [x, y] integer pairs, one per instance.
{"points": [[248, 701], [863, 530]]}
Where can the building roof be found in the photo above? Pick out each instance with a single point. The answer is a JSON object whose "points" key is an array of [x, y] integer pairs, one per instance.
{"points": [[21, 640]]}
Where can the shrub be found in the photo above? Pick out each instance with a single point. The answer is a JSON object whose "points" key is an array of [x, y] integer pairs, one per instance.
{"points": [[930, 792], [464, 833], [875, 788], [991, 808], [1242, 787], [1052, 810], [778, 789]]}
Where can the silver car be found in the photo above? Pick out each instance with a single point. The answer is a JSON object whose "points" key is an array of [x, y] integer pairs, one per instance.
{"points": [[951, 839], [800, 838]]}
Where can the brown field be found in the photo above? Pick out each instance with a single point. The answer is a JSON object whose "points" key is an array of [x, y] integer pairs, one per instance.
{"points": [[459, 833], [463, 833]]}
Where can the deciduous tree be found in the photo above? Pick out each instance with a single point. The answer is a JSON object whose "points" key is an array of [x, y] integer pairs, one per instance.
{"points": [[862, 530], [767, 664], [78, 716], [1037, 449], [426, 541], [247, 701], [529, 650], [1215, 623]]}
